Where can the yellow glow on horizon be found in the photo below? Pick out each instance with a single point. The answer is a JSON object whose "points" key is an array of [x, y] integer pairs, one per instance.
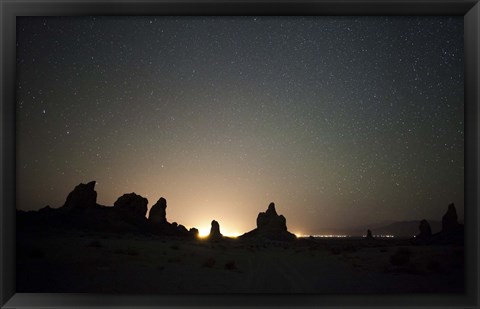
{"points": [[203, 232], [233, 234]]}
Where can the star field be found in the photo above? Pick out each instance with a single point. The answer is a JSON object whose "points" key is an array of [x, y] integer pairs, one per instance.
{"points": [[340, 121]]}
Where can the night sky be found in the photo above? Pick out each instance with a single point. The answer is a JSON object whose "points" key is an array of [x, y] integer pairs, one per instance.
{"points": [[340, 121]]}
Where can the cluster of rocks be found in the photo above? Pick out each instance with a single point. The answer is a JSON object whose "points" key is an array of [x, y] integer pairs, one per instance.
{"points": [[452, 231], [129, 211], [270, 226], [128, 214]]}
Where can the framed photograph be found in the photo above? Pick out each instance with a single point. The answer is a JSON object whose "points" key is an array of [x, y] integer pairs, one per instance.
{"points": [[184, 154]]}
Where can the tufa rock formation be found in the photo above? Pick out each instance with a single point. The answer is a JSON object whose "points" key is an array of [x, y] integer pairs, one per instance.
{"points": [[425, 230], [369, 234], [452, 232], [269, 220], [158, 212], [193, 232], [450, 220], [81, 212], [83, 196], [132, 204], [215, 231], [270, 226], [182, 229]]}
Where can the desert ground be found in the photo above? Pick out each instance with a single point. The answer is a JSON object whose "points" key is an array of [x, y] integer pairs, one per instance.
{"points": [[74, 261]]}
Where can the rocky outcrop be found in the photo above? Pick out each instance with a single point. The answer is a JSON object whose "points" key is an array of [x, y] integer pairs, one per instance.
{"points": [[215, 231], [128, 215], [271, 221], [158, 212], [193, 232], [369, 234], [450, 220], [83, 196], [270, 226], [452, 232], [132, 204], [182, 229], [425, 230]]}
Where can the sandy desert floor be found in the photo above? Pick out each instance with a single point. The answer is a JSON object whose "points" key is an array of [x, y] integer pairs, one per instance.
{"points": [[108, 263]]}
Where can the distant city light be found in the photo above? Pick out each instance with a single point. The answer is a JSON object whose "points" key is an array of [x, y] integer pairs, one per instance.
{"points": [[342, 236]]}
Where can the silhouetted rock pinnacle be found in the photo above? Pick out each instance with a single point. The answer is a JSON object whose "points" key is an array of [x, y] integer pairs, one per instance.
{"points": [[270, 225], [133, 204], [83, 196], [425, 230], [158, 212], [193, 232], [452, 232], [215, 231], [369, 234], [450, 219], [270, 221]]}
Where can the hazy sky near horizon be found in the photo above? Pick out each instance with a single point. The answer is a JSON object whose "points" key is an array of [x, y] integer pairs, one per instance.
{"points": [[340, 121]]}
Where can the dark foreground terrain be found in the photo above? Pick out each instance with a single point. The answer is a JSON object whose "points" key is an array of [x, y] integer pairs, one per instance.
{"points": [[86, 247], [76, 261]]}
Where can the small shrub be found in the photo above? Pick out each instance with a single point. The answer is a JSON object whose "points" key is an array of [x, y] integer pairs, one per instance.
{"points": [[210, 262], [175, 247], [230, 265], [401, 257]]}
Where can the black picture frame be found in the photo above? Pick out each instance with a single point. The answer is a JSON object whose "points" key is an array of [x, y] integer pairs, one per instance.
{"points": [[9, 10]]}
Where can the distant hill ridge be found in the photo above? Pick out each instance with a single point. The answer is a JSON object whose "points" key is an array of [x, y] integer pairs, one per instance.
{"points": [[405, 228]]}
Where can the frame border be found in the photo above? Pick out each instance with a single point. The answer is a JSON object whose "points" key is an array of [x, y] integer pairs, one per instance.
{"points": [[10, 9]]}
